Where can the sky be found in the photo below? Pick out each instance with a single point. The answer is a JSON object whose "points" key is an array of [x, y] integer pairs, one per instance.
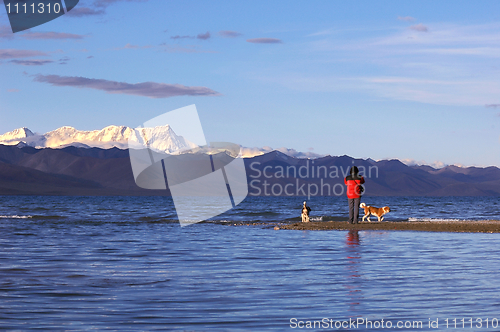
{"points": [[417, 81]]}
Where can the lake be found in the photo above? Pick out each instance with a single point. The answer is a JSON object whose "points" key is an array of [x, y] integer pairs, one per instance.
{"points": [[124, 263]]}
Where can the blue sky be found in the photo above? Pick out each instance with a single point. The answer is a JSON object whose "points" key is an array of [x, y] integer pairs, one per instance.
{"points": [[386, 79]]}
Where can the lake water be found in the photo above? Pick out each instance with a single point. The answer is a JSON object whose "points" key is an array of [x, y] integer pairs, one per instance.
{"points": [[124, 263]]}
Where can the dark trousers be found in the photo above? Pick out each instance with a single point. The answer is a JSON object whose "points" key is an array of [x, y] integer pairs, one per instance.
{"points": [[354, 210]]}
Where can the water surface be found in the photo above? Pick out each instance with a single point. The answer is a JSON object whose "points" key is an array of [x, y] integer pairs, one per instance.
{"points": [[80, 263]]}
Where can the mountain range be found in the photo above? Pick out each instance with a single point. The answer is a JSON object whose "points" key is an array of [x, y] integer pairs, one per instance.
{"points": [[162, 139], [72, 170]]}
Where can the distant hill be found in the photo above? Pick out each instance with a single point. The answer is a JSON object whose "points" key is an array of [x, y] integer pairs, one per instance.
{"points": [[383, 178], [25, 170]]}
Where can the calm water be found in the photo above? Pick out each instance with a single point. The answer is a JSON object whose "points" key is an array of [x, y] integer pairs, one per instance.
{"points": [[113, 263]]}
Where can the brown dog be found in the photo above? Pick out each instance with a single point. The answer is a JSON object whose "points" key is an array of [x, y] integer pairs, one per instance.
{"points": [[378, 212]]}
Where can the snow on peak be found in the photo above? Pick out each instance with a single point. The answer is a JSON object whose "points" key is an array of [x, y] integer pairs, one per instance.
{"points": [[161, 138], [15, 136]]}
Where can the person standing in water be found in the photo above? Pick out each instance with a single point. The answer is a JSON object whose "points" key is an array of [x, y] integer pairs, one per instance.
{"points": [[354, 192]]}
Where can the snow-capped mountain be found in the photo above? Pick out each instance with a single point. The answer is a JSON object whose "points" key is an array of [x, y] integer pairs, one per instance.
{"points": [[161, 138], [15, 135]]}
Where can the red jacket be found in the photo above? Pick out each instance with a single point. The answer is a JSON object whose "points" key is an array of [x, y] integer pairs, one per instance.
{"points": [[352, 186]]}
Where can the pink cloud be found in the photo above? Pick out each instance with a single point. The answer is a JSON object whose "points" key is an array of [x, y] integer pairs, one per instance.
{"points": [[265, 41], [85, 11], [145, 89], [13, 53], [203, 36], [31, 62], [51, 35], [406, 18], [419, 27], [229, 34]]}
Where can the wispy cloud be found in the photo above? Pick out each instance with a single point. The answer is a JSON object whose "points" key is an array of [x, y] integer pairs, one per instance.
{"points": [[85, 11], [203, 36], [64, 60], [14, 53], [97, 7], [145, 89], [106, 3], [31, 62], [444, 91], [443, 35], [129, 46], [265, 41], [181, 37], [449, 64], [13, 90], [50, 35], [492, 105], [229, 34], [419, 27], [406, 18], [6, 33]]}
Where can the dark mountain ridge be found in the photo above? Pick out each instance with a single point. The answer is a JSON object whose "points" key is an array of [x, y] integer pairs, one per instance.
{"points": [[95, 171]]}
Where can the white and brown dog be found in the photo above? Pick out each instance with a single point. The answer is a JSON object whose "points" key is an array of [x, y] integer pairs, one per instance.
{"points": [[377, 212], [305, 212]]}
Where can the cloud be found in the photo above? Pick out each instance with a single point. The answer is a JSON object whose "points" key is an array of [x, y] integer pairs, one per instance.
{"points": [[13, 53], [13, 90], [447, 90], [145, 89], [203, 36], [129, 46], [98, 7], [265, 41], [492, 105], [50, 35], [451, 64], [64, 60], [406, 18], [90, 57], [419, 27], [85, 11], [31, 62], [229, 34], [6, 32], [182, 37], [106, 3]]}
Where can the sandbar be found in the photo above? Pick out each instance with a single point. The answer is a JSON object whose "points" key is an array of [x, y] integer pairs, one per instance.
{"points": [[465, 226]]}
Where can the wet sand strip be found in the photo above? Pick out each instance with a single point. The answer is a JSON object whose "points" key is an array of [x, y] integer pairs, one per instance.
{"points": [[468, 226]]}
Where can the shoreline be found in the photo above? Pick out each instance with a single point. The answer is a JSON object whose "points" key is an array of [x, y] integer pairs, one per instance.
{"points": [[463, 226]]}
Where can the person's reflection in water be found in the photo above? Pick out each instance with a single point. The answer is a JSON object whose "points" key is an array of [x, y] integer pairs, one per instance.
{"points": [[353, 252]]}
